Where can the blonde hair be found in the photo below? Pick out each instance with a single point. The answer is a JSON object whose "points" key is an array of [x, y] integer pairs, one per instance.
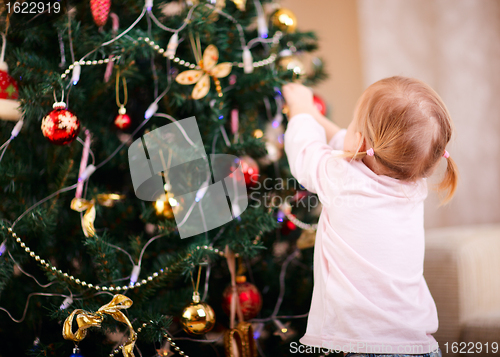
{"points": [[408, 126]]}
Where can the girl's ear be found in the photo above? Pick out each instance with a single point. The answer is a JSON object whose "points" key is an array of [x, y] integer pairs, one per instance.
{"points": [[360, 142]]}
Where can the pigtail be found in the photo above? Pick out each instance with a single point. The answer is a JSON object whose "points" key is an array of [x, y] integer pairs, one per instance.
{"points": [[450, 181], [358, 155], [404, 126]]}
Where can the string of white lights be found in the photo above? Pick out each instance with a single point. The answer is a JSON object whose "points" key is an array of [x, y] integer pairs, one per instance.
{"points": [[29, 275], [26, 305], [83, 62], [275, 39]]}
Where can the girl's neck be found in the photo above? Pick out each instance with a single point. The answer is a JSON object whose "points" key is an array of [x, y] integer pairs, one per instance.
{"points": [[370, 162], [376, 167]]}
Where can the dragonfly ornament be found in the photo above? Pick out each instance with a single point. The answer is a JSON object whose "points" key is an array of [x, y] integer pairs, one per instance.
{"points": [[208, 68]]}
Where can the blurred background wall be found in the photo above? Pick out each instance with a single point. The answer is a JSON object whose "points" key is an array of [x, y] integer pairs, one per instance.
{"points": [[453, 45], [336, 24]]}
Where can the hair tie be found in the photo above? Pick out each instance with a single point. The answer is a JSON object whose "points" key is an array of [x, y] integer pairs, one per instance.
{"points": [[370, 152], [446, 154]]}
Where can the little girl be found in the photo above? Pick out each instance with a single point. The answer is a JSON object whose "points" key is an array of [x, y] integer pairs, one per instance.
{"points": [[370, 295]]}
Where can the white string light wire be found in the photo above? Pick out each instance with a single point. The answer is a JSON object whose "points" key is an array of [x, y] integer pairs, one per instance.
{"points": [[96, 62], [26, 305]]}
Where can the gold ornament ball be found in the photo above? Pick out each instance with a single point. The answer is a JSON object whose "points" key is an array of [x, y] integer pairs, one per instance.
{"points": [[292, 63], [198, 318], [285, 20], [166, 205]]}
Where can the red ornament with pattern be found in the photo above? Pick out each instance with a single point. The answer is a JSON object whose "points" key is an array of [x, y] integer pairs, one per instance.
{"points": [[249, 296], [9, 95], [100, 11], [60, 126], [123, 121]]}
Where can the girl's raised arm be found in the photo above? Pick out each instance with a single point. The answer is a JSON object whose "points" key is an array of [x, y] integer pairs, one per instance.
{"points": [[300, 101]]}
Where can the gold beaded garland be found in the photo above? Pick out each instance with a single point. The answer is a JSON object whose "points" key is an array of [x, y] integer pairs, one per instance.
{"points": [[77, 281], [187, 64], [87, 63], [166, 336]]}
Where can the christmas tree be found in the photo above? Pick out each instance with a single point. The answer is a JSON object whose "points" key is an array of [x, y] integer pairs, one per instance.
{"points": [[88, 266]]}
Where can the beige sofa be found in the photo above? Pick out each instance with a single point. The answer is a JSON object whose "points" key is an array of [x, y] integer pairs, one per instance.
{"points": [[462, 270]]}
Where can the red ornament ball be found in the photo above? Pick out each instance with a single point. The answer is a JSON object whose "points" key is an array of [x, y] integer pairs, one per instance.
{"points": [[250, 170], [9, 95], [123, 121], [249, 296], [8, 86], [60, 126], [100, 11], [320, 104], [288, 227]]}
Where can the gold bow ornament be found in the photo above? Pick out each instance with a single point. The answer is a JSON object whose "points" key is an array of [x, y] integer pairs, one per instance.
{"points": [[88, 218], [85, 319]]}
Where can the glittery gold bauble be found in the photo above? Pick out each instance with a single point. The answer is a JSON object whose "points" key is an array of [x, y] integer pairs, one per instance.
{"points": [[166, 205], [285, 20], [292, 63], [240, 4], [198, 318]]}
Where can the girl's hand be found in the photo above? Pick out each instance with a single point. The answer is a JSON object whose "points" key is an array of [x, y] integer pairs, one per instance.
{"points": [[299, 99]]}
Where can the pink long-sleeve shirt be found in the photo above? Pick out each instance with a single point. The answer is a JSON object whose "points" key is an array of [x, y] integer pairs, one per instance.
{"points": [[369, 293]]}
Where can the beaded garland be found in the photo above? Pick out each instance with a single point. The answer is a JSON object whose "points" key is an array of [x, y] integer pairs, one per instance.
{"points": [[77, 281], [187, 64], [88, 63], [261, 63], [301, 224], [169, 339]]}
